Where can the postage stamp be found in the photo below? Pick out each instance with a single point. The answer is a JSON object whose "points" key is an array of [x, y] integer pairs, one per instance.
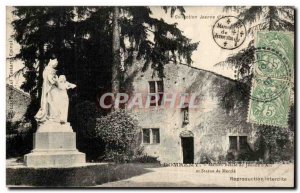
{"points": [[272, 76], [229, 32]]}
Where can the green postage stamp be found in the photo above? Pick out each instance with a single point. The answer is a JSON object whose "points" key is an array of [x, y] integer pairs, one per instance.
{"points": [[272, 79]]}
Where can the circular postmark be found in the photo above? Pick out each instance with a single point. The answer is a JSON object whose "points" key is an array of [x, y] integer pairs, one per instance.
{"points": [[270, 74], [229, 32]]}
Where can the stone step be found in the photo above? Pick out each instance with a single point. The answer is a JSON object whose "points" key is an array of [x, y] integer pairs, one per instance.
{"points": [[55, 159]]}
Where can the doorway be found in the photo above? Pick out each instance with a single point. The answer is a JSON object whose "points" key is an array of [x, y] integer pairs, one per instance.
{"points": [[187, 144]]}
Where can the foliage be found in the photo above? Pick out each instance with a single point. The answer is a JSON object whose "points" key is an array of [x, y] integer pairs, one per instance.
{"points": [[207, 158], [230, 156], [276, 141], [275, 144], [232, 96], [18, 137], [12, 127], [119, 131], [46, 32], [276, 18], [81, 39], [272, 18], [168, 44], [84, 118], [246, 154], [18, 144], [145, 159]]}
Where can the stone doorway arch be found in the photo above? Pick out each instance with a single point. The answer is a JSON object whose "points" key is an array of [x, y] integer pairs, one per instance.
{"points": [[186, 133]]}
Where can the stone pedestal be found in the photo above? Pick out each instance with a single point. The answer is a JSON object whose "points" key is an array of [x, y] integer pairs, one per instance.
{"points": [[54, 146]]}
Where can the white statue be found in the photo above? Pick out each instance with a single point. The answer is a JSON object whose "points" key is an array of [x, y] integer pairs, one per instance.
{"points": [[54, 141], [63, 102], [54, 99]]}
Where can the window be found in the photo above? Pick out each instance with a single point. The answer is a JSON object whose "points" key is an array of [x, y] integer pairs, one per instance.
{"points": [[155, 136], [146, 135], [152, 88], [237, 143], [160, 90], [156, 88], [185, 115], [243, 142], [233, 143], [151, 135]]}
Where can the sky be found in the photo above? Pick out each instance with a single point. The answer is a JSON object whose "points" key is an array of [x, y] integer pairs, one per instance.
{"points": [[197, 26]]}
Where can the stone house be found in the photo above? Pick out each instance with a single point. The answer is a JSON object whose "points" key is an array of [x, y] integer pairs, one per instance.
{"points": [[183, 135]]}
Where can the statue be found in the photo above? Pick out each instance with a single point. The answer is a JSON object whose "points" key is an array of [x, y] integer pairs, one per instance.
{"points": [[54, 140], [54, 99], [63, 99]]}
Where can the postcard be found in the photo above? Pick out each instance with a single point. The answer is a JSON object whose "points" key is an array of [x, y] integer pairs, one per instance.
{"points": [[155, 97]]}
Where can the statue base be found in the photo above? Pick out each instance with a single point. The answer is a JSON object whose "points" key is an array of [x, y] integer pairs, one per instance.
{"points": [[54, 146]]}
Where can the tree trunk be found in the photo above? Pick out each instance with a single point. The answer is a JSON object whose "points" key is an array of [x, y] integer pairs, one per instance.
{"points": [[271, 22], [116, 55], [40, 72], [267, 154]]}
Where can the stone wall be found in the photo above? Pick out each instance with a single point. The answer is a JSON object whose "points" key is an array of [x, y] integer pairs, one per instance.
{"points": [[210, 124], [17, 101]]}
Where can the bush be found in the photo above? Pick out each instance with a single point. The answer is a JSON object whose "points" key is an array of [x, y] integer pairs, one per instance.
{"points": [[206, 158], [230, 156], [18, 138], [119, 131], [145, 159], [246, 155], [274, 144]]}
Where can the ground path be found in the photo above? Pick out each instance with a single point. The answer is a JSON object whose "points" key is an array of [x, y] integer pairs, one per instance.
{"points": [[208, 176]]}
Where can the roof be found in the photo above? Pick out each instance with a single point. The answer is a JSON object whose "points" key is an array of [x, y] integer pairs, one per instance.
{"points": [[19, 91], [216, 74]]}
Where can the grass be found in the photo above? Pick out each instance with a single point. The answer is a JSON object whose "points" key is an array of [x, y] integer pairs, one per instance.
{"points": [[91, 175]]}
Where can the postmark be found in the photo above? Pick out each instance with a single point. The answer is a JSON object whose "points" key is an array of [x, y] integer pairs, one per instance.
{"points": [[272, 78], [229, 32], [270, 72]]}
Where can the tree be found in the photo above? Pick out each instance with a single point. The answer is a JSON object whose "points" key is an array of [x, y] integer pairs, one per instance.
{"points": [[134, 24], [81, 38], [258, 18], [36, 31], [116, 55], [87, 42], [279, 18], [271, 18]]}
